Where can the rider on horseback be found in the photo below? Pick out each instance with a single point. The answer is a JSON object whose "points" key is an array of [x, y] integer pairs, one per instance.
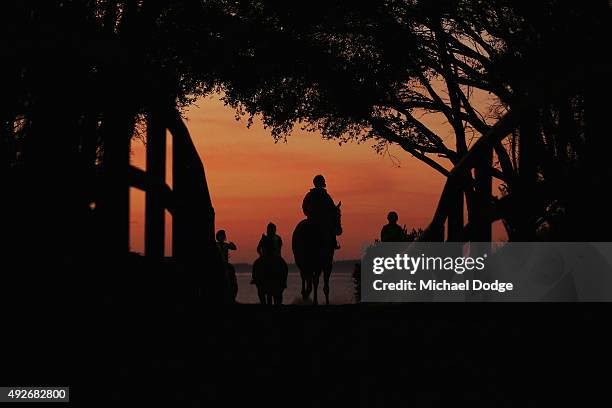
{"points": [[270, 269], [270, 243], [319, 207]]}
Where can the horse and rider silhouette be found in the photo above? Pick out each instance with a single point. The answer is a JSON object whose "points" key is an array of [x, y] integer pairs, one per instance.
{"points": [[313, 244], [314, 239], [270, 269]]}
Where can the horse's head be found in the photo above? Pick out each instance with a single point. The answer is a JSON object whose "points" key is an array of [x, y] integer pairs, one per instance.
{"points": [[338, 219]]}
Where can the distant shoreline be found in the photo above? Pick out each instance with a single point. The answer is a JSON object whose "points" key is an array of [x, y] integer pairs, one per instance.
{"points": [[344, 266]]}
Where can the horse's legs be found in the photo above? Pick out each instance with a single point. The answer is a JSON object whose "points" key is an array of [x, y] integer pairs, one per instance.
{"points": [[315, 280], [306, 283], [262, 296], [326, 275], [304, 291], [309, 285]]}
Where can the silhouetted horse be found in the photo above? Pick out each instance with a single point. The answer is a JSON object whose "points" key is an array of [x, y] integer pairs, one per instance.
{"points": [[313, 251], [270, 277]]}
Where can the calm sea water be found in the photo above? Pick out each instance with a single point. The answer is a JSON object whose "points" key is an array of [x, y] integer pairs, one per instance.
{"points": [[341, 289]]}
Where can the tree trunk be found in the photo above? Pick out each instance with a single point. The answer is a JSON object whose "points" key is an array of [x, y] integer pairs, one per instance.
{"points": [[455, 217], [456, 181], [526, 188], [480, 225], [114, 203], [596, 224]]}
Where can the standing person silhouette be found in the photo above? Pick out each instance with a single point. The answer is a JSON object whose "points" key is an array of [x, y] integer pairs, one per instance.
{"points": [[319, 207], [392, 232], [224, 249]]}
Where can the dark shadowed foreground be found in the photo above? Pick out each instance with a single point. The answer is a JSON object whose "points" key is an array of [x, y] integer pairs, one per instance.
{"points": [[146, 342], [381, 355], [341, 289]]}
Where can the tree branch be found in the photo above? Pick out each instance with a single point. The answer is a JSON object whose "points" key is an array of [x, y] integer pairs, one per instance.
{"points": [[387, 134]]}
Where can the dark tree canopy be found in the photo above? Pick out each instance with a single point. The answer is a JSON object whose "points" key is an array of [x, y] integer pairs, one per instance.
{"points": [[365, 71]]}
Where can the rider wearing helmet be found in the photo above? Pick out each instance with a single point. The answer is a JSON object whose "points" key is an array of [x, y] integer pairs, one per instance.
{"points": [[270, 244], [392, 232], [319, 207]]}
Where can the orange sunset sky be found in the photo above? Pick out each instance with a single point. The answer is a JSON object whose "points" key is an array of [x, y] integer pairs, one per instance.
{"points": [[254, 181]]}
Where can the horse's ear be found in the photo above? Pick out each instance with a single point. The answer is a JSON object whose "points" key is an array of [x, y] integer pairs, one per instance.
{"points": [[339, 204]]}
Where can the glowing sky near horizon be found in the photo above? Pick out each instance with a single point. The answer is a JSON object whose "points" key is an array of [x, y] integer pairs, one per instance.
{"points": [[254, 181]]}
